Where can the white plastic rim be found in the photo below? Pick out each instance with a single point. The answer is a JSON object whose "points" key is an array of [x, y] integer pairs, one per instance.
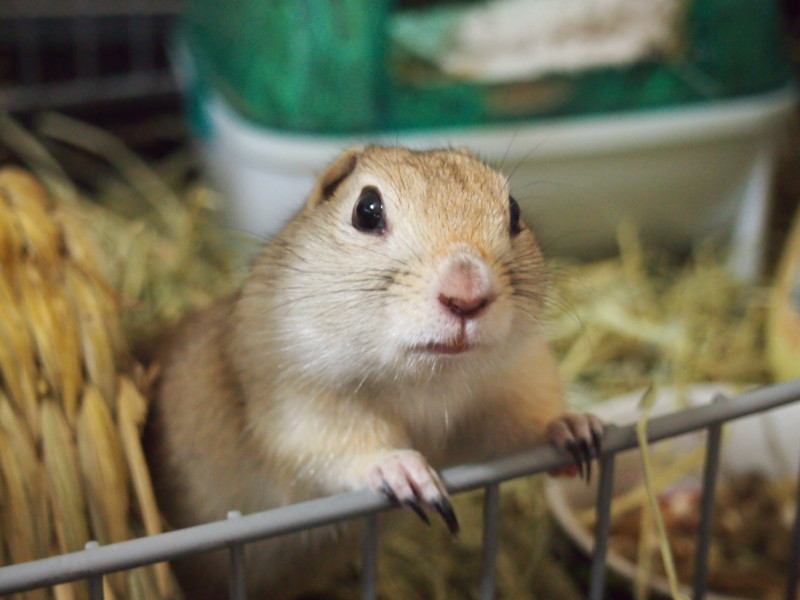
{"points": [[552, 139]]}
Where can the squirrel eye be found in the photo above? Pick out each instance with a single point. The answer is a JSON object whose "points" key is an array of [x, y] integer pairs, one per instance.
{"points": [[368, 212], [513, 209]]}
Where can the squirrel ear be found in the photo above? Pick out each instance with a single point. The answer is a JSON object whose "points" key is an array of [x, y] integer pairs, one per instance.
{"points": [[333, 175]]}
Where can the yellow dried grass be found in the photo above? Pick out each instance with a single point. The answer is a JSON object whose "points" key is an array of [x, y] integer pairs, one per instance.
{"points": [[63, 480], [17, 438], [17, 357], [105, 473], [646, 404], [132, 410], [51, 322], [11, 237], [621, 323], [67, 453], [28, 199], [97, 331], [66, 493], [103, 467], [18, 521]]}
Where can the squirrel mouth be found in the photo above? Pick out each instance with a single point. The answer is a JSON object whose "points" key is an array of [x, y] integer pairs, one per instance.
{"points": [[458, 345], [445, 348]]}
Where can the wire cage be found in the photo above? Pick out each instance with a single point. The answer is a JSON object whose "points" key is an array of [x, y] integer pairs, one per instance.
{"points": [[68, 53], [237, 531]]}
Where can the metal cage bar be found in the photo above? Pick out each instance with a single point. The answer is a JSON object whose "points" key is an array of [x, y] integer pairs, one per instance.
{"points": [[138, 70], [86, 44], [237, 588], [55, 9], [710, 470], [793, 579], [142, 42], [369, 558], [597, 576], [96, 562], [95, 583], [27, 38], [491, 525]]}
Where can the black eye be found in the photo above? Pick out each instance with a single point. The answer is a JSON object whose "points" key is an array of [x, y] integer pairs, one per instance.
{"points": [[513, 209], [368, 212]]}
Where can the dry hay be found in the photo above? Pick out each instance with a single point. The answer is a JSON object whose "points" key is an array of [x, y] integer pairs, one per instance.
{"points": [[71, 465], [622, 323], [617, 325]]}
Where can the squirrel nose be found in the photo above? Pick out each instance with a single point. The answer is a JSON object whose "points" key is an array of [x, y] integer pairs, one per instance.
{"points": [[466, 307], [465, 286]]}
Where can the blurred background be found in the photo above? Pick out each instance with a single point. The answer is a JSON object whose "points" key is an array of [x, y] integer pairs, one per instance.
{"points": [[650, 111]]}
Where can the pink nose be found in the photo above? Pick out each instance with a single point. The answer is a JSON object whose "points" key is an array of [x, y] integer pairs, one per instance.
{"points": [[468, 308], [465, 286]]}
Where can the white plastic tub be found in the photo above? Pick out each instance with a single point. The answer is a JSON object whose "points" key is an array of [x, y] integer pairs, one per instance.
{"points": [[680, 174]]}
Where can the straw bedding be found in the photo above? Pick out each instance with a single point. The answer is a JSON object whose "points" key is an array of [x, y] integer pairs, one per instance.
{"points": [[86, 274], [71, 465]]}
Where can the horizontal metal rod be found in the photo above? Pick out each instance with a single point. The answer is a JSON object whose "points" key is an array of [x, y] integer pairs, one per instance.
{"points": [[51, 9], [617, 439], [89, 90], [306, 515], [174, 544]]}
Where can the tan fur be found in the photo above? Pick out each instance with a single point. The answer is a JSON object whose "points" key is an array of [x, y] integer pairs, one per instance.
{"points": [[295, 387]]}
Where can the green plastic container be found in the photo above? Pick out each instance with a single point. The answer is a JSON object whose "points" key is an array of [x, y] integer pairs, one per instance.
{"points": [[341, 67]]}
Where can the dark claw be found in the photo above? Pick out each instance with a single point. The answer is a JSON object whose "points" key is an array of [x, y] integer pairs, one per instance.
{"points": [[572, 448], [444, 508], [586, 452], [417, 508], [389, 493]]}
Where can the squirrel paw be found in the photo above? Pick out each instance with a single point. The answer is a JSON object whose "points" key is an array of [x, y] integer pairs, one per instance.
{"points": [[406, 478], [579, 434]]}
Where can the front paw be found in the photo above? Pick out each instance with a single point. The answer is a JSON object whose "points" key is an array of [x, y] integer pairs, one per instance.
{"points": [[405, 477], [581, 435]]}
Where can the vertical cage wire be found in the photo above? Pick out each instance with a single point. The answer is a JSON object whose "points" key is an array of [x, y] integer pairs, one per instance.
{"points": [[605, 488], [237, 587], [710, 470], [94, 583], [142, 41], [28, 51], [369, 558], [793, 578], [105, 50], [491, 525], [86, 47]]}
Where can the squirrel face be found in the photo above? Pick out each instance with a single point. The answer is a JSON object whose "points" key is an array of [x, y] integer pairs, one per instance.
{"points": [[401, 265]]}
